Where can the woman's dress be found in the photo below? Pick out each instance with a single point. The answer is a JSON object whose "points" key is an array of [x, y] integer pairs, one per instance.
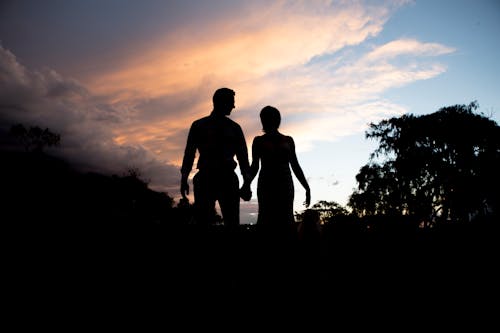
{"points": [[275, 190]]}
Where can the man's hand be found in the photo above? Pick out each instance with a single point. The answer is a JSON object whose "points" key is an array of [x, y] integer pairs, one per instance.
{"points": [[184, 187]]}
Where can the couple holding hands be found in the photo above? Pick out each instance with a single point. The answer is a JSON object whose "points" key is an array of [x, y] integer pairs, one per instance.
{"points": [[218, 140]]}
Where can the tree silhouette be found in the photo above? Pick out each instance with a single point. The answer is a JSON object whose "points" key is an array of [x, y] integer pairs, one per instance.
{"points": [[327, 210], [438, 167], [35, 139]]}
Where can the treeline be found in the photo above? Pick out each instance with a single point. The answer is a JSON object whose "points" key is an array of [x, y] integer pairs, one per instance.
{"points": [[41, 190], [428, 170]]}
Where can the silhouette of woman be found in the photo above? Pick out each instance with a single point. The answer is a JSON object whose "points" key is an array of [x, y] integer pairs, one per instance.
{"points": [[275, 191]]}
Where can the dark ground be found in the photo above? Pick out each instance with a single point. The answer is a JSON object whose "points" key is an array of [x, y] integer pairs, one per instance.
{"points": [[92, 274], [69, 272]]}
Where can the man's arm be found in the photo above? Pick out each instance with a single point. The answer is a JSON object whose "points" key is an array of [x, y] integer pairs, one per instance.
{"points": [[242, 155], [188, 160]]}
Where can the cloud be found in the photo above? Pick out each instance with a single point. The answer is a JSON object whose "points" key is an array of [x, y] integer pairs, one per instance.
{"points": [[406, 46], [259, 53], [261, 39], [86, 123], [333, 98], [294, 55]]}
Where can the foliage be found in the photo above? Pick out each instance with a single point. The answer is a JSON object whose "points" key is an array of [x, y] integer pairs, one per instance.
{"points": [[35, 139], [440, 166], [327, 211], [40, 187]]}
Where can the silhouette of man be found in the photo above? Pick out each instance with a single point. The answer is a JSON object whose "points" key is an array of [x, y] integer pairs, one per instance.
{"points": [[218, 140]]}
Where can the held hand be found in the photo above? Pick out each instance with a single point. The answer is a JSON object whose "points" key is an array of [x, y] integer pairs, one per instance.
{"points": [[245, 192], [184, 188]]}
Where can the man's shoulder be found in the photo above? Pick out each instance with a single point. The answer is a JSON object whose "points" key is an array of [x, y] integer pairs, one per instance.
{"points": [[210, 121], [229, 123], [232, 122], [201, 120], [201, 123]]}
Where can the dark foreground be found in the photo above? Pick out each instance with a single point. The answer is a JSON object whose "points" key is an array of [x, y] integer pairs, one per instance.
{"points": [[92, 272]]}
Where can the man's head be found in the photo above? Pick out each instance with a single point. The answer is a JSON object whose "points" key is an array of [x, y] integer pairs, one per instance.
{"points": [[223, 100]]}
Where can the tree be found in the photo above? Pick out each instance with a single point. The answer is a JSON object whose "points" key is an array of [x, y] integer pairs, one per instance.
{"points": [[327, 211], [35, 139], [440, 166]]}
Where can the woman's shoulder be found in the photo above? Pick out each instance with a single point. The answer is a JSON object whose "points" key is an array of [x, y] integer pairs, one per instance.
{"points": [[259, 138], [288, 138], [273, 138]]}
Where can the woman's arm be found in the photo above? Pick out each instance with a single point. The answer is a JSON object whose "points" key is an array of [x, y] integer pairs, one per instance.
{"points": [[254, 167], [297, 170], [245, 192]]}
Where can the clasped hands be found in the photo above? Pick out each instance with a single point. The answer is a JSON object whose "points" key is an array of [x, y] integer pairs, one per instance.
{"points": [[246, 192]]}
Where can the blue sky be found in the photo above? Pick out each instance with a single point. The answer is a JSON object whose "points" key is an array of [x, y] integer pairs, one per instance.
{"points": [[123, 80]]}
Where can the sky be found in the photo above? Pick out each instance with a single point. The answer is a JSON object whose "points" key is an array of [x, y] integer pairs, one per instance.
{"points": [[123, 80]]}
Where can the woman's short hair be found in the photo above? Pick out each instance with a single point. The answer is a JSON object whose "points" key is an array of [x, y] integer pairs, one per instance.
{"points": [[270, 118]]}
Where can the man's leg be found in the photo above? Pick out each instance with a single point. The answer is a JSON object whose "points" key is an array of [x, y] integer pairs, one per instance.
{"points": [[204, 201], [229, 201]]}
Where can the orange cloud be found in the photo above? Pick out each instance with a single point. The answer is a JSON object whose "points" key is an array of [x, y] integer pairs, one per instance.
{"points": [[242, 49], [268, 56]]}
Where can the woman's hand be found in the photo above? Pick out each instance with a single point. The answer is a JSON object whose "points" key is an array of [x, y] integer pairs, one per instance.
{"points": [[184, 186], [308, 198]]}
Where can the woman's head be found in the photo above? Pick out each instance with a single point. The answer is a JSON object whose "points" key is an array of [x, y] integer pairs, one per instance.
{"points": [[270, 118]]}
